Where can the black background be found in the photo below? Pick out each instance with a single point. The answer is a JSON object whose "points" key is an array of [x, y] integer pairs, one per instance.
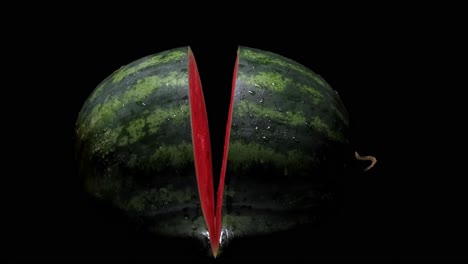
{"points": [[384, 67]]}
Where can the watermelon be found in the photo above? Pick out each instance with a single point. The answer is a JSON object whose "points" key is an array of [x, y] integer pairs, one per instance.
{"points": [[143, 144]]}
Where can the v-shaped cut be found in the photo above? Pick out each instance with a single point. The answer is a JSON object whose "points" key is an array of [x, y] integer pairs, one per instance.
{"points": [[202, 153]]}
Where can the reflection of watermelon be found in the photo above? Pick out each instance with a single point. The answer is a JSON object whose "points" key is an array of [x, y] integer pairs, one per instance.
{"points": [[143, 144]]}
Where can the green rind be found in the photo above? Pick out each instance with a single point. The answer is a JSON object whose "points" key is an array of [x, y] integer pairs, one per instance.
{"points": [[135, 101], [279, 102], [290, 129], [134, 142]]}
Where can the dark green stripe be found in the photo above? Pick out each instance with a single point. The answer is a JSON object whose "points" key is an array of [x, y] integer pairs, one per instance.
{"points": [[160, 156], [103, 113], [156, 65], [317, 124], [124, 133], [245, 108], [244, 155], [153, 61], [269, 58], [175, 156], [248, 110], [259, 70], [278, 84]]}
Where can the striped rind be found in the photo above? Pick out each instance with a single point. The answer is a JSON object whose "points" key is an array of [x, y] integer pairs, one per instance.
{"points": [[289, 127], [135, 102], [135, 144], [283, 106]]}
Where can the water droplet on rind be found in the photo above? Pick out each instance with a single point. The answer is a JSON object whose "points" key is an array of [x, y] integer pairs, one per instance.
{"points": [[251, 92], [140, 103]]}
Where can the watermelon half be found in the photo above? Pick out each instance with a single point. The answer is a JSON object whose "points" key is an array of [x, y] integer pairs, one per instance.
{"points": [[143, 143]]}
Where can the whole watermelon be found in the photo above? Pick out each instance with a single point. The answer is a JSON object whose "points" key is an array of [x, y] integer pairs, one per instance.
{"points": [[287, 142]]}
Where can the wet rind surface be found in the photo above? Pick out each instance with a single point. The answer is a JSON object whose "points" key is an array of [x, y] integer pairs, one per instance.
{"points": [[289, 140], [135, 145]]}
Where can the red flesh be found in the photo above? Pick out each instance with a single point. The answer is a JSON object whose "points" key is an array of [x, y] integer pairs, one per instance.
{"points": [[201, 147], [202, 153], [219, 205]]}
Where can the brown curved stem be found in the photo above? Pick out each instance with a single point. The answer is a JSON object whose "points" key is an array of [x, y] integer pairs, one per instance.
{"points": [[371, 158]]}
